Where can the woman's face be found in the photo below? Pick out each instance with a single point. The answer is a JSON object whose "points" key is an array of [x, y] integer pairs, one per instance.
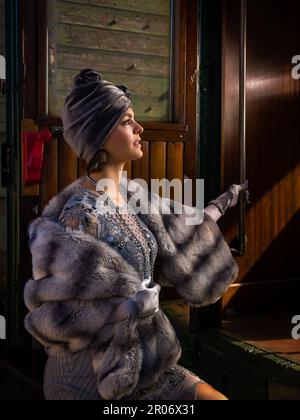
{"points": [[122, 143]]}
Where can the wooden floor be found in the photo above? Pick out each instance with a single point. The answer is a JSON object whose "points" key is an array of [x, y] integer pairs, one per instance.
{"points": [[271, 333]]}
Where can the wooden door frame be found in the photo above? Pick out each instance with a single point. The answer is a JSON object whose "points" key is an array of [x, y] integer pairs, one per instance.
{"points": [[209, 131]]}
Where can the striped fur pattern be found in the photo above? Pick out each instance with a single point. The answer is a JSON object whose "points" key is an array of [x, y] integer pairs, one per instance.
{"points": [[78, 281]]}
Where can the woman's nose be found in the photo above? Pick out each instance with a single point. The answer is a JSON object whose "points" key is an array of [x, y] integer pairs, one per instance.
{"points": [[140, 129]]}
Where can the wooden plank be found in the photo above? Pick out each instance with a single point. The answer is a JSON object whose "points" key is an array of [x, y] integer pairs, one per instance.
{"points": [[67, 164], [175, 160], [112, 19], [175, 164], [176, 130], [102, 39], [158, 7], [104, 61], [49, 181], [164, 135], [147, 86], [158, 155], [29, 190]]}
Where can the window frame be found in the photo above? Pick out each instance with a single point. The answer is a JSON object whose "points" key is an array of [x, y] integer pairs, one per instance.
{"points": [[178, 63]]}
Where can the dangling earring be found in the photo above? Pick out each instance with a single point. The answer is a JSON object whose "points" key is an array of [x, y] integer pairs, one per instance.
{"points": [[102, 157]]}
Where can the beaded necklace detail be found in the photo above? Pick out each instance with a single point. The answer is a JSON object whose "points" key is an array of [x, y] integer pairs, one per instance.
{"points": [[148, 251]]}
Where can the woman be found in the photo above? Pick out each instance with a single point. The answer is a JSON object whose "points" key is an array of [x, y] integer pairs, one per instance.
{"points": [[92, 300]]}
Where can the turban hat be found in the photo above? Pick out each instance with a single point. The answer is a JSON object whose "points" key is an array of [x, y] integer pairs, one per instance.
{"points": [[91, 110]]}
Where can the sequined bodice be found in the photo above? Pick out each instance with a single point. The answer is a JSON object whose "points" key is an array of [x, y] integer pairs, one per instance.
{"points": [[125, 232]]}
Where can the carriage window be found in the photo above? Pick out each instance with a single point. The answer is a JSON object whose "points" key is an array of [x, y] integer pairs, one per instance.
{"points": [[127, 41]]}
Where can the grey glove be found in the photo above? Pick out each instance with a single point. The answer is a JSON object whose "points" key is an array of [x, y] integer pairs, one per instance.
{"points": [[231, 197], [145, 303], [147, 300]]}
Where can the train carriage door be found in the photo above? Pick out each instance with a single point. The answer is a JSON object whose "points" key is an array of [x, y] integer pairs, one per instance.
{"points": [[269, 272]]}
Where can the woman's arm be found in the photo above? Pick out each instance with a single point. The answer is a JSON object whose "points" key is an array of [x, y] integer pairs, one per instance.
{"points": [[213, 212]]}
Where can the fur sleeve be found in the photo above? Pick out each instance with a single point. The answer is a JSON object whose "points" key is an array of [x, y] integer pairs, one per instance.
{"points": [[200, 266]]}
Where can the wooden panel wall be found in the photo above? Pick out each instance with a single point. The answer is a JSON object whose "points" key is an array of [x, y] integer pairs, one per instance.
{"points": [[127, 42], [270, 271], [162, 158]]}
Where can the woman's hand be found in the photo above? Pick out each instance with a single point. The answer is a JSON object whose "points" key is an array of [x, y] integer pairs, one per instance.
{"points": [[231, 197], [144, 304], [148, 300], [234, 191], [216, 208]]}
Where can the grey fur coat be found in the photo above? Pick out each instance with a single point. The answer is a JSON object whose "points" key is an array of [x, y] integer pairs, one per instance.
{"points": [[78, 281]]}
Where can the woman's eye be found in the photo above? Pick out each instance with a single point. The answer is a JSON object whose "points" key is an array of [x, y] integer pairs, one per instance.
{"points": [[125, 122]]}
